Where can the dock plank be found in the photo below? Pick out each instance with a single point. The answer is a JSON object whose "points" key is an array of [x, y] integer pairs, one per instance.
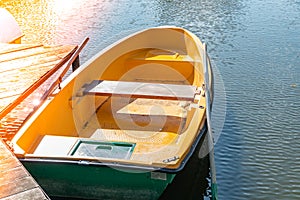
{"points": [[21, 65], [34, 193], [15, 181], [30, 52], [33, 57], [5, 49]]}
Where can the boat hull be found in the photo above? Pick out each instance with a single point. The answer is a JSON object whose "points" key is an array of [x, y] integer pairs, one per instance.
{"points": [[74, 180]]}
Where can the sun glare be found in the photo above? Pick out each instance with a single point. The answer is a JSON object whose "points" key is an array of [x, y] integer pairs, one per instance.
{"points": [[36, 102], [61, 6]]}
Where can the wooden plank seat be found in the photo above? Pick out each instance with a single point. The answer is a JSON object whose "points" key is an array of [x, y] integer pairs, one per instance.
{"points": [[141, 90]]}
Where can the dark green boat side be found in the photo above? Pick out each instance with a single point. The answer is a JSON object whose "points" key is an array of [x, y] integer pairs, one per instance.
{"points": [[74, 180]]}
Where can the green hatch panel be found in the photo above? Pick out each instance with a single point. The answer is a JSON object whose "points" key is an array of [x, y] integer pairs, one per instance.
{"points": [[89, 148]]}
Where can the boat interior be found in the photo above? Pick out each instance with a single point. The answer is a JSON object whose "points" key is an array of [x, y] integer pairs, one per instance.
{"points": [[145, 107]]}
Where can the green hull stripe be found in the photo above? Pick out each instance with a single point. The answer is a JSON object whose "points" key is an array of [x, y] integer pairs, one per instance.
{"points": [[214, 191], [97, 182]]}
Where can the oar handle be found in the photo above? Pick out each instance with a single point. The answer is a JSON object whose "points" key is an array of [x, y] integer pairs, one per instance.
{"points": [[59, 79]]}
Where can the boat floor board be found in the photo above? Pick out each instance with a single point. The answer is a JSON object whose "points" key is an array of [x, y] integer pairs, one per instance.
{"points": [[15, 181], [142, 90]]}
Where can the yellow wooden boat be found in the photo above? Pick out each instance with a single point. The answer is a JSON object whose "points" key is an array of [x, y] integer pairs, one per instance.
{"points": [[127, 120]]}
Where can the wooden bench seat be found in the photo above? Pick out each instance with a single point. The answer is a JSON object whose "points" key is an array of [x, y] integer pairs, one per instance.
{"points": [[141, 90]]}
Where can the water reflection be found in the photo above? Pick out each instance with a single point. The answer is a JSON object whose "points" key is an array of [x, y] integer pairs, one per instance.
{"points": [[54, 21]]}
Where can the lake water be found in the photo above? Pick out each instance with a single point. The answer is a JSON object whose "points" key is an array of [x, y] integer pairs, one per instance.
{"points": [[255, 46]]}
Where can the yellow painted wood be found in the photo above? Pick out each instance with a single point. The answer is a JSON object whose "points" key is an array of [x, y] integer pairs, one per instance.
{"points": [[142, 90]]}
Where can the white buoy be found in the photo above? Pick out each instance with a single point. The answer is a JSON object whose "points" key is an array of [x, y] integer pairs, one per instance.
{"points": [[10, 31]]}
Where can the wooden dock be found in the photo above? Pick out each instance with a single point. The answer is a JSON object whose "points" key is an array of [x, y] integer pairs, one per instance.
{"points": [[22, 66], [15, 181]]}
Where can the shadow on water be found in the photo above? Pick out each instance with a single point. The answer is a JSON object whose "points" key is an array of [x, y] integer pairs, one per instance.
{"points": [[192, 182]]}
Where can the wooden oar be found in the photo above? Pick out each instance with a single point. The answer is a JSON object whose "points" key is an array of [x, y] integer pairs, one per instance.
{"points": [[35, 85], [59, 79], [209, 129]]}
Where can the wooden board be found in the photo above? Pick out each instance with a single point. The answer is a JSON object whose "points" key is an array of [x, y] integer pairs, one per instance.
{"points": [[15, 181], [142, 90], [22, 66]]}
